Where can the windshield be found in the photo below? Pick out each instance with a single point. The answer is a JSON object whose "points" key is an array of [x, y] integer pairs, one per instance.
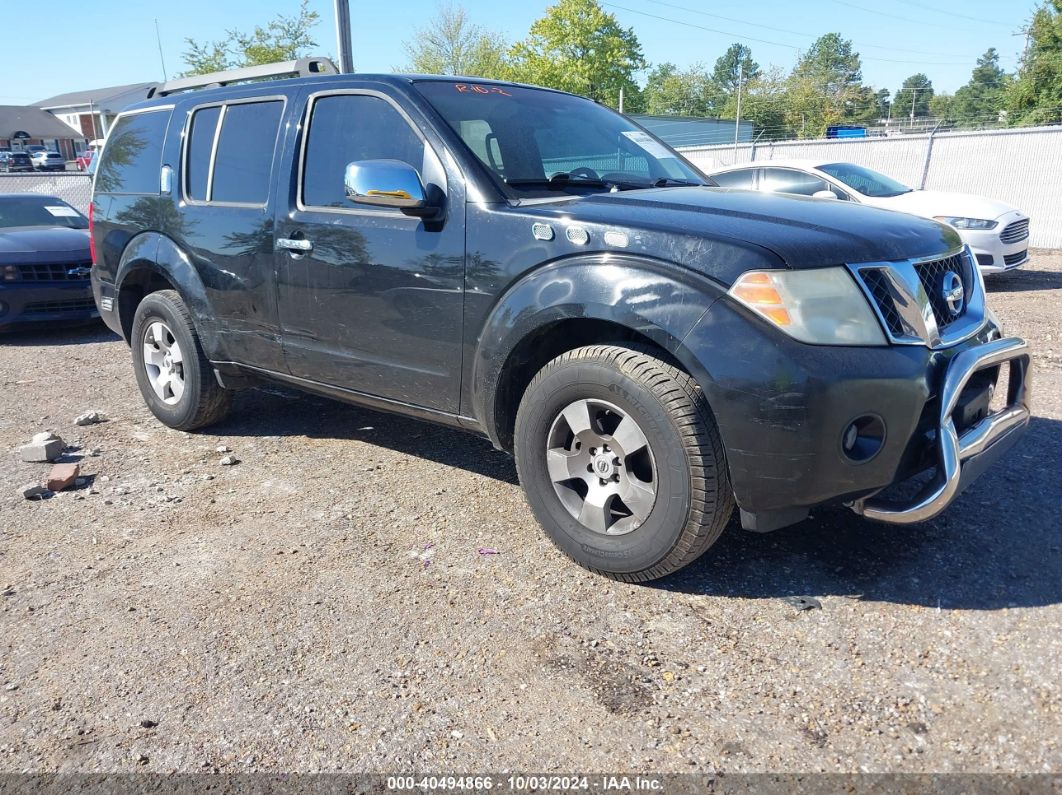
{"points": [[535, 141], [869, 183], [39, 211]]}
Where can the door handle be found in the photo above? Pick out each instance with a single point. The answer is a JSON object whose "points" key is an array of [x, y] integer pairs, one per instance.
{"points": [[296, 245]]}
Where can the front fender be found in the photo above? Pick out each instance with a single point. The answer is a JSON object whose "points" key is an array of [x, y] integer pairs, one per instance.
{"points": [[156, 254], [658, 300]]}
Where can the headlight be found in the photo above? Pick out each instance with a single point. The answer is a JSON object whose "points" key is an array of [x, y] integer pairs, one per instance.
{"points": [[823, 306], [966, 223], [10, 273]]}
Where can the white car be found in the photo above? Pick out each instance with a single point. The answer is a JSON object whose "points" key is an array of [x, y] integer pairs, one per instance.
{"points": [[997, 233]]}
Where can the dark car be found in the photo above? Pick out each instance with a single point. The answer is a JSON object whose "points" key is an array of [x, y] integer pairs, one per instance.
{"points": [[531, 266], [44, 262], [15, 161]]}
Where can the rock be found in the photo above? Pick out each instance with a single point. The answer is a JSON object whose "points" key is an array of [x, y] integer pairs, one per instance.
{"points": [[45, 446], [802, 603], [62, 475], [457, 735], [31, 490], [90, 418], [149, 724], [11, 686], [223, 448], [229, 461], [95, 451]]}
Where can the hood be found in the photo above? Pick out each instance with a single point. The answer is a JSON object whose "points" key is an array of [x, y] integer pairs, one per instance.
{"points": [[931, 203], [803, 232], [42, 244]]}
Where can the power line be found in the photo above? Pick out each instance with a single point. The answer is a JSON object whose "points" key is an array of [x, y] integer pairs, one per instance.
{"points": [[742, 37], [904, 19], [924, 7], [861, 45]]}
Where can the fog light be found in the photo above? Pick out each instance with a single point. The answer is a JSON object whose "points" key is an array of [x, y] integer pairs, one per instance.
{"points": [[863, 438], [3, 309]]}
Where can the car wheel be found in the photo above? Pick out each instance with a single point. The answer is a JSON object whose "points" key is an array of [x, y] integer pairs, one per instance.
{"points": [[173, 373], [622, 462]]}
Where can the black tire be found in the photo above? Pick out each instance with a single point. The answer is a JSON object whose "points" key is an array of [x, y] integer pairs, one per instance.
{"points": [[204, 401], [693, 500]]}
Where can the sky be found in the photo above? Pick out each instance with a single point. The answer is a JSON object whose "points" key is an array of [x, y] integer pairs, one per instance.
{"points": [[115, 40]]}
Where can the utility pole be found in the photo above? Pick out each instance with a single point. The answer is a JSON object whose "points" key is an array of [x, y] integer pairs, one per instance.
{"points": [[343, 45], [737, 121], [621, 100]]}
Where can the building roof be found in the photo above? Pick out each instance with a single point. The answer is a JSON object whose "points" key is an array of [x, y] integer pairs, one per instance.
{"points": [[111, 99], [33, 121]]}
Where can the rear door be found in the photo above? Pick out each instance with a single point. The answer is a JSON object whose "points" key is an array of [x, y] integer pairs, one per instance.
{"points": [[375, 303], [223, 218]]}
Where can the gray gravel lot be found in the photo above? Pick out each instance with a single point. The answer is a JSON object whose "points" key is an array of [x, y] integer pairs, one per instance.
{"points": [[323, 604]]}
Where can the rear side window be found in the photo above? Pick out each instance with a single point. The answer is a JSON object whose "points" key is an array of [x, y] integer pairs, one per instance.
{"points": [[742, 178], [243, 159], [132, 157], [786, 180], [200, 145], [348, 127]]}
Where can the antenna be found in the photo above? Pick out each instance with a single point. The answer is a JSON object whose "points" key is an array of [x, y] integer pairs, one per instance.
{"points": [[158, 38]]}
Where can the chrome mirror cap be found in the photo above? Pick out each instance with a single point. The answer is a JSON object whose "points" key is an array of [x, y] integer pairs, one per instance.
{"points": [[385, 183]]}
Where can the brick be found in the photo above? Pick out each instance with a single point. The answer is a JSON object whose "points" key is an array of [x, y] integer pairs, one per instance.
{"points": [[62, 475], [31, 490], [44, 447]]}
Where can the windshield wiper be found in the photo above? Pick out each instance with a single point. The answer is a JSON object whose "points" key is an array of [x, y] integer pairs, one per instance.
{"points": [[558, 181], [669, 182]]}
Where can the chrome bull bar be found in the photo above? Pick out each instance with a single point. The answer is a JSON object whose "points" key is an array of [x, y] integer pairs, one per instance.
{"points": [[961, 459]]}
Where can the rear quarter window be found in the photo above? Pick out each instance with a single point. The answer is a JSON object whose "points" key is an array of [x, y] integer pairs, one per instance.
{"points": [[132, 157], [742, 178]]}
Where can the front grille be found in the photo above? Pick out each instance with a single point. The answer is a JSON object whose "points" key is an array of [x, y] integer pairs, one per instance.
{"points": [[878, 284], [53, 273], [1012, 233], [931, 274], [41, 307], [1015, 258]]}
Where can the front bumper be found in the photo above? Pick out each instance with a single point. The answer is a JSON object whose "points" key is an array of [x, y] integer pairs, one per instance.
{"points": [[46, 302], [991, 253], [783, 409], [961, 458]]}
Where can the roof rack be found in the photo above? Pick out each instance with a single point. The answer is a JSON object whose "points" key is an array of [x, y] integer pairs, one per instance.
{"points": [[302, 67]]}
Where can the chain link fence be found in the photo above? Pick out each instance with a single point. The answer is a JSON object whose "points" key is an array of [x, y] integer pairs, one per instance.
{"points": [[72, 187], [1021, 166]]}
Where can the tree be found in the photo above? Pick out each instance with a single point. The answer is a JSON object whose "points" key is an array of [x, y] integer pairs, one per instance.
{"points": [[451, 45], [282, 39], [942, 107], [687, 93], [734, 65], [981, 100], [763, 101], [578, 47], [826, 87], [912, 100], [1035, 96], [882, 103]]}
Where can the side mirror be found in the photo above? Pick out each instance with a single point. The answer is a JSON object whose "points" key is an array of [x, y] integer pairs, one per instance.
{"points": [[824, 194], [387, 183]]}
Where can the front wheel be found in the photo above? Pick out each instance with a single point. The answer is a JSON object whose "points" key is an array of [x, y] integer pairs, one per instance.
{"points": [[622, 462], [172, 371]]}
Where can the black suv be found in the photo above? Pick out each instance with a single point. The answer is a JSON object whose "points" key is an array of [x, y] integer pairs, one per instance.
{"points": [[529, 265]]}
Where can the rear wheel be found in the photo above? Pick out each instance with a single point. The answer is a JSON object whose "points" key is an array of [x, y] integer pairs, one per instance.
{"points": [[172, 371], [622, 462]]}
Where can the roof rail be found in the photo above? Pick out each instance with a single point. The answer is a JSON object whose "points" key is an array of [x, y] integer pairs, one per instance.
{"points": [[303, 67]]}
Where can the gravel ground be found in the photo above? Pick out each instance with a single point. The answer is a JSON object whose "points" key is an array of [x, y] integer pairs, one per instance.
{"points": [[323, 604]]}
